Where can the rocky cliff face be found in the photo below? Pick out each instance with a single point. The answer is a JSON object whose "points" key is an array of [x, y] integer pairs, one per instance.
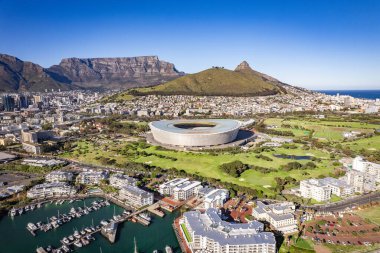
{"points": [[123, 72], [17, 75], [104, 73]]}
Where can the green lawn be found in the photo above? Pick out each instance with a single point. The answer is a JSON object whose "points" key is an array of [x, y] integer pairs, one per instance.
{"points": [[329, 130], [371, 144], [186, 232], [334, 198], [206, 164], [371, 213], [304, 244], [335, 248]]}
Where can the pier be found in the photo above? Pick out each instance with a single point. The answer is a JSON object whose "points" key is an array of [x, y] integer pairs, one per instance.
{"points": [[155, 210]]}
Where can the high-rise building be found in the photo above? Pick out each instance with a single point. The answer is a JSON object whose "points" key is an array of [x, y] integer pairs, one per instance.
{"points": [[9, 103]]}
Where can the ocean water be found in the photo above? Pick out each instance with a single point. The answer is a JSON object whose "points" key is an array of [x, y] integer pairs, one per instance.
{"points": [[368, 94], [15, 238]]}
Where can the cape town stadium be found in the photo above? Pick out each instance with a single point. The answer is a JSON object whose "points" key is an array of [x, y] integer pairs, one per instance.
{"points": [[195, 133]]}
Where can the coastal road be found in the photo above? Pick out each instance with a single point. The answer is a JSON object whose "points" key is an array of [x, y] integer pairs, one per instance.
{"points": [[350, 202]]}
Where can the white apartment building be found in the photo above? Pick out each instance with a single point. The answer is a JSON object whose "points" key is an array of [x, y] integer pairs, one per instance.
{"points": [[215, 198], [279, 215], [209, 233], [338, 187], [135, 196], [43, 162], [361, 182], [364, 166], [167, 187], [49, 190], [59, 176], [312, 188], [119, 180], [186, 190], [91, 177], [321, 189]]}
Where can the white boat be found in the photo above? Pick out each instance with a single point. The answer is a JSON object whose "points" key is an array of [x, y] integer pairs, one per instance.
{"points": [[55, 224], [76, 234], [168, 249], [20, 211], [13, 212], [78, 244], [103, 222], [155, 251], [31, 226], [65, 240], [145, 216], [65, 248]]}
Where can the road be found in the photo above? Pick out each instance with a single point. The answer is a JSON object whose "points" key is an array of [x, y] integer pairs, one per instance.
{"points": [[347, 203]]}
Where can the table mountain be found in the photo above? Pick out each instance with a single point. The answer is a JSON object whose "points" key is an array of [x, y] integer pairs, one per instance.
{"points": [[125, 72], [74, 73]]}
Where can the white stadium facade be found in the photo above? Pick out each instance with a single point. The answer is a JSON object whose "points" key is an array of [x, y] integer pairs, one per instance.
{"points": [[195, 133]]}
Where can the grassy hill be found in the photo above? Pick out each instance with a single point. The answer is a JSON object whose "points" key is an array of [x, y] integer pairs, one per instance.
{"points": [[216, 82]]}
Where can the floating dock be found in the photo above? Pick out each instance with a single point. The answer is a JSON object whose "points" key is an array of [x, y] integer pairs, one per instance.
{"points": [[155, 210], [141, 220]]}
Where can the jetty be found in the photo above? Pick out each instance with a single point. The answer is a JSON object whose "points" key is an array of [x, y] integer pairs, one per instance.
{"points": [[155, 210]]}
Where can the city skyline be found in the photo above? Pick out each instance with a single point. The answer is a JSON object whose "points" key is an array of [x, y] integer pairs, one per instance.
{"points": [[316, 45]]}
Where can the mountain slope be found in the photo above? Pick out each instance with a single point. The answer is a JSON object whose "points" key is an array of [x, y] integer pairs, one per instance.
{"points": [[217, 82], [17, 75]]}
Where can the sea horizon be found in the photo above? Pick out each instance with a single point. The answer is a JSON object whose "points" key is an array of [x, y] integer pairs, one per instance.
{"points": [[367, 94]]}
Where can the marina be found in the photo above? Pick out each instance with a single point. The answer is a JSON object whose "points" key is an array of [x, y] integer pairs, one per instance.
{"points": [[56, 221], [116, 239]]}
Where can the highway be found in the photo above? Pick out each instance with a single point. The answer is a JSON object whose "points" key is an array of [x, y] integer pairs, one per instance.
{"points": [[350, 202]]}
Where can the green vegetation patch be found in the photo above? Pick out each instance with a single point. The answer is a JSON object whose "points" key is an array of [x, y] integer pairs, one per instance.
{"points": [[371, 213], [186, 232]]}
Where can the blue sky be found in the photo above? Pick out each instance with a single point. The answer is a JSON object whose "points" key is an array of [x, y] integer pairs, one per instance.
{"points": [[316, 44]]}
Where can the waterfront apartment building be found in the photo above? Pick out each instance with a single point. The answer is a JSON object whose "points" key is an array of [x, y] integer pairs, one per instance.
{"points": [[279, 215], [215, 198], [119, 180], [91, 177], [207, 232], [59, 176], [186, 190], [168, 187], [50, 190], [135, 196]]}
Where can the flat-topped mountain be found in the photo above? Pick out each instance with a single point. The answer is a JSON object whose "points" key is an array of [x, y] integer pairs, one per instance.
{"points": [[216, 81], [74, 73], [125, 72]]}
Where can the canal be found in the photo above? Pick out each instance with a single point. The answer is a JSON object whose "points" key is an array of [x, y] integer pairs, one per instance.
{"points": [[15, 238]]}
